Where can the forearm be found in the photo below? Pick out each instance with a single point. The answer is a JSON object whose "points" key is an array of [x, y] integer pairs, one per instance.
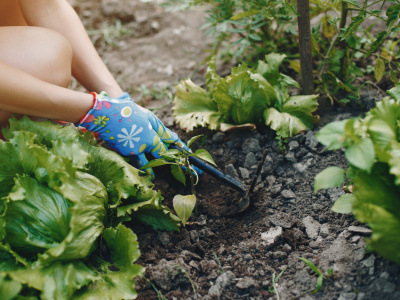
{"points": [[24, 94], [87, 66]]}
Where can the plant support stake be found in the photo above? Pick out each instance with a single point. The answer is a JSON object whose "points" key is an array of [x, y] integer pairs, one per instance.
{"points": [[307, 80]]}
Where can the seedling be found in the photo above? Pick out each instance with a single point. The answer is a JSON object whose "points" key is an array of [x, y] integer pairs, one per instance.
{"points": [[320, 278], [282, 139], [222, 271], [160, 296], [181, 169], [274, 288], [181, 270]]}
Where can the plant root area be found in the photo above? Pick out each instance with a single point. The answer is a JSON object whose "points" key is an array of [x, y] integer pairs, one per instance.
{"points": [[220, 254]]}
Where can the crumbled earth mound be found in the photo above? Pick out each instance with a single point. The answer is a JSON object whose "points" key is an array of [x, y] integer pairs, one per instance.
{"points": [[220, 254]]}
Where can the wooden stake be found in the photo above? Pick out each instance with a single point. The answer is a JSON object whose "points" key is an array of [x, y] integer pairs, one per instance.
{"points": [[307, 78]]}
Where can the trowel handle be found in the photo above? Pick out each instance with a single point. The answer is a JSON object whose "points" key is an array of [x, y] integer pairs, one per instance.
{"points": [[213, 171]]}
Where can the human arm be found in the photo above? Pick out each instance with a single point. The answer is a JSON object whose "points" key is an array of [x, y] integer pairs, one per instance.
{"points": [[23, 93], [87, 66]]}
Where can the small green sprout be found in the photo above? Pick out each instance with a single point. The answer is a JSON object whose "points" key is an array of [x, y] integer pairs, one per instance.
{"points": [[180, 169], [317, 271], [274, 288]]}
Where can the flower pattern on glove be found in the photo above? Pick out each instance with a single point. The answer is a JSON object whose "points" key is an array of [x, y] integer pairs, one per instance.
{"points": [[129, 128], [129, 137]]}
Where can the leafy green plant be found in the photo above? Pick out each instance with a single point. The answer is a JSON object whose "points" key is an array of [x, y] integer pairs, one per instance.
{"points": [[245, 98], [372, 151], [254, 27], [251, 29], [180, 169], [62, 197]]}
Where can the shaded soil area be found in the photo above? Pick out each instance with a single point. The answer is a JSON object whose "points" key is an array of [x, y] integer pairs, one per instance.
{"points": [[220, 254]]}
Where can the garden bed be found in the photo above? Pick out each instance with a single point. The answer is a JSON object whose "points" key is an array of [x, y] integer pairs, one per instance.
{"points": [[219, 255]]}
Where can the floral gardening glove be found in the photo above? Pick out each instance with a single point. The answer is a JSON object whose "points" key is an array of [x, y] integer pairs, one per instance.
{"points": [[124, 96], [129, 128]]}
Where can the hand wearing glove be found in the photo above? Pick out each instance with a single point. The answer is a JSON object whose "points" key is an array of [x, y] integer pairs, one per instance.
{"points": [[124, 96], [129, 128]]}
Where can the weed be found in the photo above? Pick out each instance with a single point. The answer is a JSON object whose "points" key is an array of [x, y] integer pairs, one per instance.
{"points": [[317, 271], [221, 270], [274, 288], [160, 296], [282, 138], [107, 34], [181, 270]]}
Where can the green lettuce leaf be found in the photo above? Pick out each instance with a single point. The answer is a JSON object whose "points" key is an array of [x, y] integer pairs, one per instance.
{"points": [[240, 98], [121, 180], [269, 69], [86, 223], [23, 155], [151, 212], [40, 220], [119, 284], [212, 78], [74, 150], [9, 289], [37, 217], [57, 281], [194, 107], [295, 116], [58, 191]]}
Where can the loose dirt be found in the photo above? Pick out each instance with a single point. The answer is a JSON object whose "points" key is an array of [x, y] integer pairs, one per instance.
{"points": [[223, 256]]}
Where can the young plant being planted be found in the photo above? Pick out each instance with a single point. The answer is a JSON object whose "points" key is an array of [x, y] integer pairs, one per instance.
{"points": [[181, 169]]}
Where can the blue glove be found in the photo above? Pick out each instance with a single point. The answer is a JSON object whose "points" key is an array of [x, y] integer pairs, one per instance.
{"points": [[124, 96], [129, 128]]}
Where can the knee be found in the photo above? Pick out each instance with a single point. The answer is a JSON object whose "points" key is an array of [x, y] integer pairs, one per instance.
{"points": [[58, 60], [40, 52]]}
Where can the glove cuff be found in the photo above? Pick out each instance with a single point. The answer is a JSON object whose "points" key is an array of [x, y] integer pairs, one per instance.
{"points": [[95, 101]]}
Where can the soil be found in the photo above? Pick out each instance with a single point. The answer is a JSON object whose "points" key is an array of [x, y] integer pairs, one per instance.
{"points": [[221, 254]]}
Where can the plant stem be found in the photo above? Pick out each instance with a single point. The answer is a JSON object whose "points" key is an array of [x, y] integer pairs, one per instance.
{"points": [[187, 166], [276, 291], [327, 56]]}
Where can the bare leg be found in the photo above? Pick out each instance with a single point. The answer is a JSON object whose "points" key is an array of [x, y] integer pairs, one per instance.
{"points": [[41, 52], [35, 69], [87, 66]]}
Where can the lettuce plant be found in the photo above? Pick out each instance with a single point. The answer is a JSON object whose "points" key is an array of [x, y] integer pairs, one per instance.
{"points": [[372, 148], [245, 98], [59, 196]]}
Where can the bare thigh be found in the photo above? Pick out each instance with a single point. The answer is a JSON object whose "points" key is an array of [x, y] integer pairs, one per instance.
{"points": [[40, 52]]}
